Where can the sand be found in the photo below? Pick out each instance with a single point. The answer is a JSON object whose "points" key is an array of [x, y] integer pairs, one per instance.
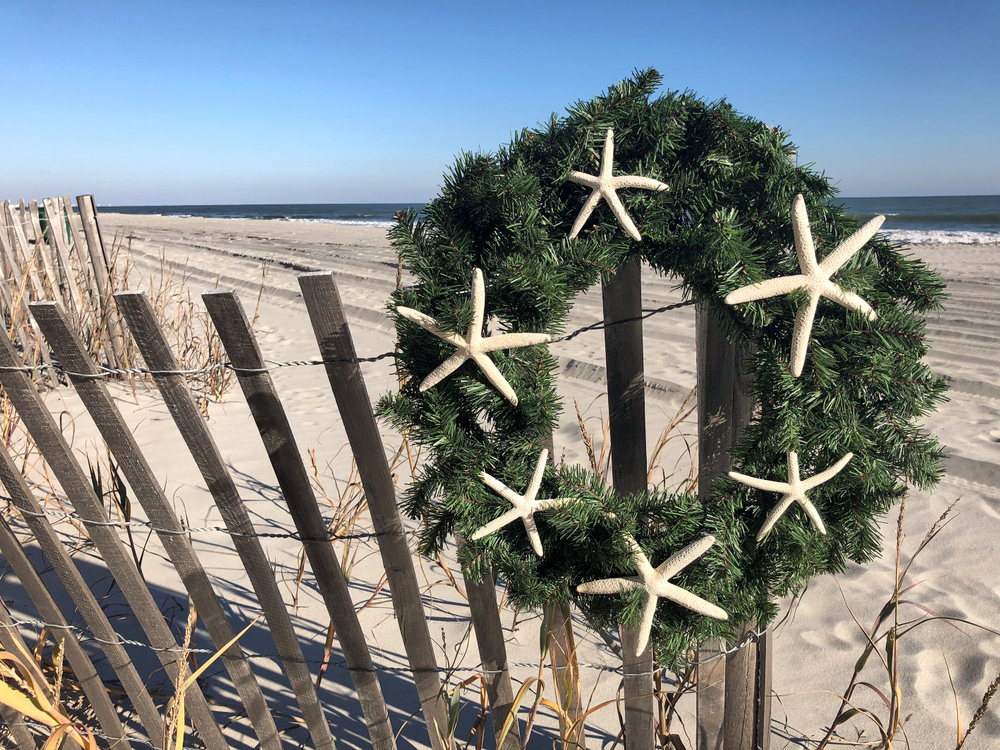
{"points": [[816, 645]]}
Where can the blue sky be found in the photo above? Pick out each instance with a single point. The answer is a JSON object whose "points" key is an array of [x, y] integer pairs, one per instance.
{"points": [[308, 102]]}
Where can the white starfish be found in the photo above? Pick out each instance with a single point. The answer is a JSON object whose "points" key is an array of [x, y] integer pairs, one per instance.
{"points": [[472, 345], [655, 582], [525, 505], [815, 279], [605, 185], [794, 491]]}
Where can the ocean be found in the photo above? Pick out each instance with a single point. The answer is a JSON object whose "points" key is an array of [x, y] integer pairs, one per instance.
{"points": [[373, 214], [968, 219]]}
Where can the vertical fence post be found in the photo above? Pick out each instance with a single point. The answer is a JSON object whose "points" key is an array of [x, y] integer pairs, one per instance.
{"points": [[275, 431], [333, 336], [733, 712], [155, 350], [485, 614], [622, 294]]}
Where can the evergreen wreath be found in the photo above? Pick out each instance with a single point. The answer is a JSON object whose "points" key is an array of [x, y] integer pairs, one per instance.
{"points": [[725, 223]]}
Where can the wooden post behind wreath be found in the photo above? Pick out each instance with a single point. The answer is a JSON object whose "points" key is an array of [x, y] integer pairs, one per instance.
{"points": [[734, 701], [622, 294]]}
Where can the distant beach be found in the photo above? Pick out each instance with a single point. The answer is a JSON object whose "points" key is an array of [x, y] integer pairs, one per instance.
{"points": [[962, 220]]}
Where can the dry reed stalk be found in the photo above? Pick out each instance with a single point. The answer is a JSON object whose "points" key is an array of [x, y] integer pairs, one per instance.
{"points": [[893, 723], [980, 712], [24, 689]]}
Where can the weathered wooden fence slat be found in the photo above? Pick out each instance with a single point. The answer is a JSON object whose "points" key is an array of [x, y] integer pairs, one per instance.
{"points": [[23, 738], [152, 344], [31, 285], [99, 265], [732, 712], [23, 250], [83, 598], [764, 672], [13, 297], [57, 230], [83, 667], [79, 250], [333, 335], [58, 330], [258, 388], [10, 266], [61, 459], [622, 296], [49, 277], [485, 614]]}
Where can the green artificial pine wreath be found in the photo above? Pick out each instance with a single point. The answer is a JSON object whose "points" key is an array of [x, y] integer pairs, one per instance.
{"points": [[528, 219]]}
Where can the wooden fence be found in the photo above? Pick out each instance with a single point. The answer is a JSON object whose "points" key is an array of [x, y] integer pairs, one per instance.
{"points": [[82, 316], [49, 252]]}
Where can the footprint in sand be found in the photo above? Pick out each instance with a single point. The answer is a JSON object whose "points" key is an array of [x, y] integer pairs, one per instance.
{"points": [[844, 636]]}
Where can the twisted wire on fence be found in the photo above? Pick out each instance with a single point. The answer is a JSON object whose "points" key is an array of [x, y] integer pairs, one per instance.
{"points": [[108, 372], [747, 640]]}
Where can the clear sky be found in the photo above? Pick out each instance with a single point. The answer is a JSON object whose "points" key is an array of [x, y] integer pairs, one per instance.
{"points": [[171, 102]]}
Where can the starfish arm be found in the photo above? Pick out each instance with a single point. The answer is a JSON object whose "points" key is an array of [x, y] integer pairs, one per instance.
{"points": [[553, 504], [792, 462], [813, 514], [646, 624], [512, 341], [639, 559], [680, 560], [585, 212], [761, 484], [608, 154], [609, 586], [765, 289], [429, 324], [774, 515], [690, 601], [804, 247], [615, 203], [497, 523], [636, 181], [478, 306], [825, 476], [502, 489], [495, 376], [582, 178], [843, 252], [445, 369], [850, 300], [532, 530], [536, 477], [801, 333]]}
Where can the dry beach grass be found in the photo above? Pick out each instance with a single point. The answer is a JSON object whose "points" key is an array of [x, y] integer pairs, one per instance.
{"points": [[930, 685]]}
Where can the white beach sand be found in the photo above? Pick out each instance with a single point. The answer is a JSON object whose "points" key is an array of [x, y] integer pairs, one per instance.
{"points": [[815, 648]]}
